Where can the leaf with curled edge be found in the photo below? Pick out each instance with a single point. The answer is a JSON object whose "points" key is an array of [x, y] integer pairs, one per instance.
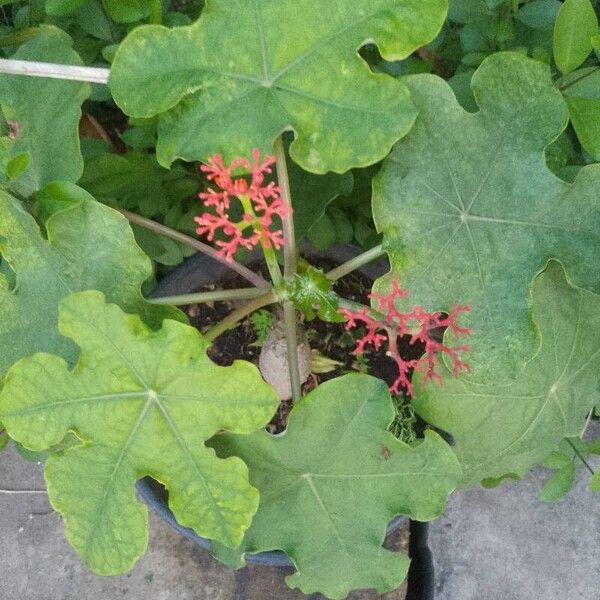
{"points": [[143, 403], [331, 483], [86, 246], [249, 69], [503, 430], [470, 211]]}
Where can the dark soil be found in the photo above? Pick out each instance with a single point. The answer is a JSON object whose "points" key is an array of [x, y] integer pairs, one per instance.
{"points": [[332, 340]]}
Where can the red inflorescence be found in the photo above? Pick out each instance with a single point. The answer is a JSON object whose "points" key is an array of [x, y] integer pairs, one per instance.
{"points": [[418, 325], [255, 227]]}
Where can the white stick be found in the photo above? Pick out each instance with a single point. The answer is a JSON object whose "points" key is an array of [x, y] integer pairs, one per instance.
{"points": [[54, 71], [10, 492]]}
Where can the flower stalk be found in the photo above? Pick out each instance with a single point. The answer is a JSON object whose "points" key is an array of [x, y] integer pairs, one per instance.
{"points": [[216, 295], [355, 263], [290, 266], [231, 320], [246, 273]]}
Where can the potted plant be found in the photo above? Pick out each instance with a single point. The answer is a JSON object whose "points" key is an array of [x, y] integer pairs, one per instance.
{"points": [[487, 213]]}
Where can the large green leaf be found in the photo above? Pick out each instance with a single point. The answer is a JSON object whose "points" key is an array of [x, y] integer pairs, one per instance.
{"points": [[312, 194], [333, 481], [506, 429], [575, 25], [45, 113], [249, 69], [142, 403], [582, 93], [88, 246], [470, 212]]}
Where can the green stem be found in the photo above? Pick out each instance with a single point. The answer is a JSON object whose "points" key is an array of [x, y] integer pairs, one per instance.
{"points": [[592, 70], [237, 294], [579, 455], [268, 252], [355, 263], [272, 265], [290, 265], [231, 320], [291, 339], [156, 12], [246, 273]]}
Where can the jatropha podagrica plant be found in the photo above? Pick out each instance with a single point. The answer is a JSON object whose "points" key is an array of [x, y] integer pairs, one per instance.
{"points": [[261, 201], [486, 207]]}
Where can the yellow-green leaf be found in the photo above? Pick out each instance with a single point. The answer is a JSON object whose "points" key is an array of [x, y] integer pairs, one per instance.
{"points": [[142, 403], [86, 246]]}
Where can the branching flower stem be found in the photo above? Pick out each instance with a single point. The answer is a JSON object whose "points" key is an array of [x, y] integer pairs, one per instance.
{"points": [[246, 273], [355, 263], [290, 265], [235, 294]]}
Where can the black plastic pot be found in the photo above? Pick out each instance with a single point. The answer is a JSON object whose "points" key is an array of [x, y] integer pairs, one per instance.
{"points": [[200, 270]]}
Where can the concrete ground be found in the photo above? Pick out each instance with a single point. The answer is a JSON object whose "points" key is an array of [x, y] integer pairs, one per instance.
{"points": [[500, 544], [36, 563]]}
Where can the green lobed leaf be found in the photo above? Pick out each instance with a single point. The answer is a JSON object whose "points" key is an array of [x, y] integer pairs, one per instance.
{"points": [[142, 403], [312, 194], [127, 11], [62, 8], [87, 246], [4, 439], [45, 113], [248, 70], [595, 482], [559, 484], [470, 211], [502, 429], [575, 25], [333, 481], [539, 14]]}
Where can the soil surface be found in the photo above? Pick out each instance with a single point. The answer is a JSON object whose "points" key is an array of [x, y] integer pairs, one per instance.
{"points": [[331, 340]]}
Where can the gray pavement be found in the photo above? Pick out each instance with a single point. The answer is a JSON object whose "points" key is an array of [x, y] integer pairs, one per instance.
{"points": [[500, 544], [36, 563], [505, 544]]}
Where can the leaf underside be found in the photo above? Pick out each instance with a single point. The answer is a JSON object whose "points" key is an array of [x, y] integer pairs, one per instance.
{"points": [[502, 430], [248, 70], [333, 481], [143, 403], [470, 212]]}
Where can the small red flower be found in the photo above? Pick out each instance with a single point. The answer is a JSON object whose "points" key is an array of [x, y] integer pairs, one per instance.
{"points": [[418, 325], [265, 201]]}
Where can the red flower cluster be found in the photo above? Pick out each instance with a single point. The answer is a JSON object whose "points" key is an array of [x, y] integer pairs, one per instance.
{"points": [[265, 204], [418, 324]]}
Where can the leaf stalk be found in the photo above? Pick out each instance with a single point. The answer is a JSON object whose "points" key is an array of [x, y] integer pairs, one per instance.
{"points": [[246, 273], [234, 294]]}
